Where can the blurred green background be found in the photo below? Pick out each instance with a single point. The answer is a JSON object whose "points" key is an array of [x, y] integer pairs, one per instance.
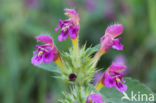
{"points": [[22, 20]]}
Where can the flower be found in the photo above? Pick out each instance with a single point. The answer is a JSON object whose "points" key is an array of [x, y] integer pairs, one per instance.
{"points": [[69, 27], [94, 98], [113, 77], [45, 53], [108, 40], [97, 77]]}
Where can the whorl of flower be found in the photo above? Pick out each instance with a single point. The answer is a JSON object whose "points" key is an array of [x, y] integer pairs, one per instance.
{"points": [[69, 27], [94, 98], [45, 53], [113, 77]]}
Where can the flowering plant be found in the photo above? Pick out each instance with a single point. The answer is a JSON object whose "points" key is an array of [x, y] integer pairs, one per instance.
{"points": [[78, 66]]}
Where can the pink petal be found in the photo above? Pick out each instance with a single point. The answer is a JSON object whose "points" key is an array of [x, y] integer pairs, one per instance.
{"points": [[48, 57], [95, 98], [117, 45], [73, 32], [45, 38], [72, 14], [121, 87], [117, 67], [106, 43], [109, 82], [36, 60], [114, 30], [59, 26], [62, 37]]}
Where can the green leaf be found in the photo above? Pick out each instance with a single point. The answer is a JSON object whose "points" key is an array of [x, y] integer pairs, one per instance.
{"points": [[52, 67], [93, 49], [96, 47], [111, 95]]}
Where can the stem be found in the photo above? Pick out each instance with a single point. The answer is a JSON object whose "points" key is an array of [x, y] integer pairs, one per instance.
{"points": [[75, 46], [99, 85], [59, 62]]}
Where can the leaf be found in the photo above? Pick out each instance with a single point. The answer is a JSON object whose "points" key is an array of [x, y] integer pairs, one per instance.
{"points": [[96, 47], [111, 95], [52, 67], [93, 49]]}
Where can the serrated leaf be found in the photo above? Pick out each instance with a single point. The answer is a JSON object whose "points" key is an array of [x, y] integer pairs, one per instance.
{"points": [[93, 49], [135, 90], [96, 47], [52, 67]]}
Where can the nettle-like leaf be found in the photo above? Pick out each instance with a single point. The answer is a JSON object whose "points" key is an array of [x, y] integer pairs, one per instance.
{"points": [[136, 93], [93, 49]]}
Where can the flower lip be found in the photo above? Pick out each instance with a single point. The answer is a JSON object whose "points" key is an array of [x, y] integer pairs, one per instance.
{"points": [[45, 53], [113, 77], [45, 39]]}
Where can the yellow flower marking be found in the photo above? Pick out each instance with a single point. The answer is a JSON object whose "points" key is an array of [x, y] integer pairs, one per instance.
{"points": [[90, 100], [99, 85], [118, 80], [40, 53], [65, 28]]}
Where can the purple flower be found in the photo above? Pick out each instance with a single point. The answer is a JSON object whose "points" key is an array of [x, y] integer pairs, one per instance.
{"points": [[45, 53], [97, 77], [108, 40], [94, 98], [69, 27], [113, 77]]}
